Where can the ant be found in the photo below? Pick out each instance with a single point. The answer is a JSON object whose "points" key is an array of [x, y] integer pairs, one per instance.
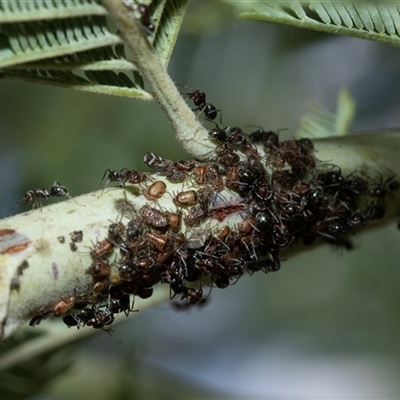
{"points": [[58, 190], [381, 189], [199, 100], [145, 18], [267, 138], [218, 134], [119, 301], [125, 175], [236, 137], [193, 296], [143, 14], [34, 195]]}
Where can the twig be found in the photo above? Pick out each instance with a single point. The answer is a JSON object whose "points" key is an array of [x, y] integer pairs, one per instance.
{"points": [[189, 132]]}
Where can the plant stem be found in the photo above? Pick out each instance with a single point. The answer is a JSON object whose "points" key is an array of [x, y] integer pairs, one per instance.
{"points": [[40, 239], [54, 272], [189, 132]]}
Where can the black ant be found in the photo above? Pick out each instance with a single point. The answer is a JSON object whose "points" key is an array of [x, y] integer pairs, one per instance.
{"points": [[382, 188], [145, 18], [199, 100], [34, 195], [58, 190], [193, 296], [143, 14], [198, 97], [209, 110], [70, 320], [236, 137], [125, 175], [333, 180], [119, 301], [267, 138], [218, 134]]}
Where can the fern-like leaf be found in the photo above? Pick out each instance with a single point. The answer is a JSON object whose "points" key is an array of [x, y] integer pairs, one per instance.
{"points": [[169, 28], [36, 10], [379, 21], [70, 44]]}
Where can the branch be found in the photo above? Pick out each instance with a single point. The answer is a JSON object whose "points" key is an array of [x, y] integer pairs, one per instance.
{"points": [[189, 132], [38, 269]]}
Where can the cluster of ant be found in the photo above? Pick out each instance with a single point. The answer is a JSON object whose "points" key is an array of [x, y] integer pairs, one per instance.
{"points": [[255, 197]]}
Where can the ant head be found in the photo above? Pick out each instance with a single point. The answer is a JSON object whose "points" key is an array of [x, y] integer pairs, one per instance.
{"points": [[58, 190]]}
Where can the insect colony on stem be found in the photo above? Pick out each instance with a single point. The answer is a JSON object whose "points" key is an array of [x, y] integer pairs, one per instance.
{"points": [[275, 191]]}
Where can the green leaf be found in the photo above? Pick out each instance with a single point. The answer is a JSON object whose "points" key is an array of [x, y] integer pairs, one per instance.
{"points": [[23, 42], [321, 123], [72, 44], [170, 25], [100, 82], [366, 20], [24, 11]]}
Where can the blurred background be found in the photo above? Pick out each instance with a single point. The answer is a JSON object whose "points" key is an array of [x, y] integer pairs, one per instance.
{"points": [[327, 324]]}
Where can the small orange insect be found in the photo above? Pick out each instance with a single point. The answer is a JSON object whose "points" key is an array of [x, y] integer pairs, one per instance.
{"points": [[100, 269], [154, 217], [101, 249], [174, 219], [246, 225], [155, 190], [158, 240], [186, 198], [200, 174], [62, 306]]}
